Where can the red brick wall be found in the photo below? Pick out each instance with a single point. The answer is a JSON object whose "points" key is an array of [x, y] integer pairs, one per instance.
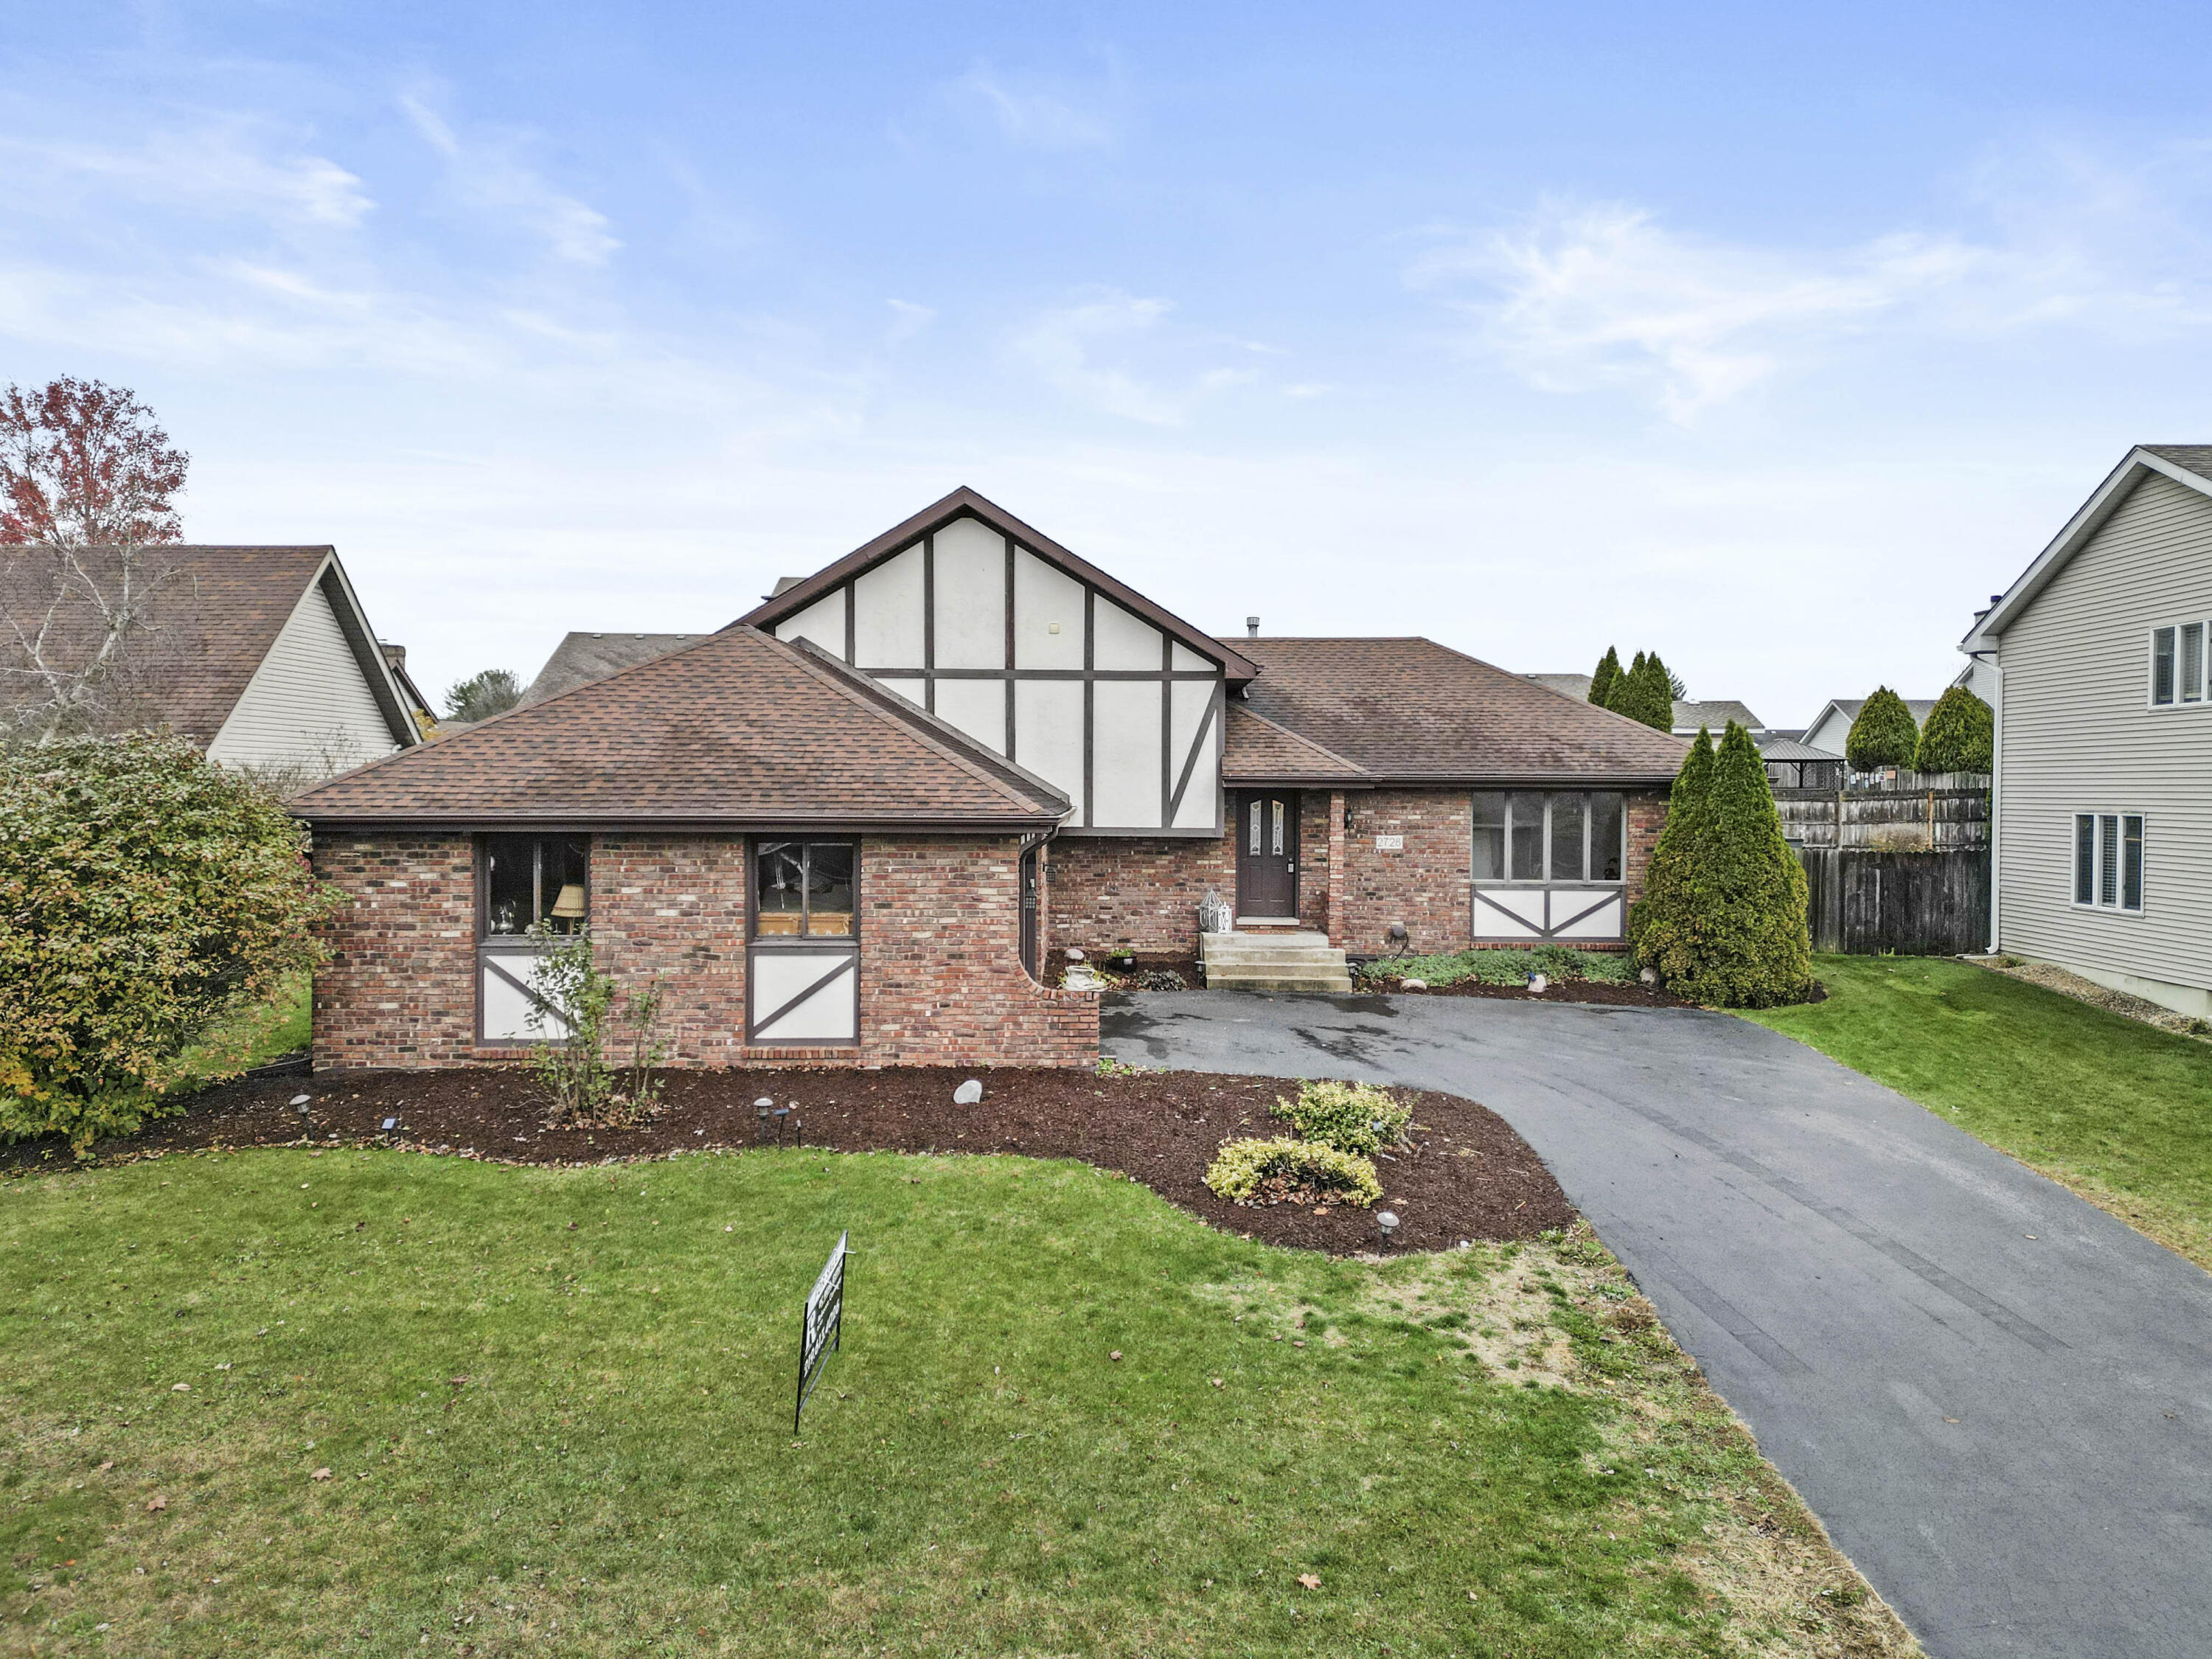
{"points": [[1137, 893], [941, 979], [675, 905], [1429, 886], [1647, 815], [397, 990]]}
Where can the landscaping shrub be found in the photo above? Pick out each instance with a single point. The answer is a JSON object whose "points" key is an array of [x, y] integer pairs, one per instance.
{"points": [[1884, 734], [145, 894], [1271, 1171], [1645, 693], [1353, 1117], [1661, 928], [581, 1086], [1722, 922], [1504, 967], [1606, 677], [1960, 735]]}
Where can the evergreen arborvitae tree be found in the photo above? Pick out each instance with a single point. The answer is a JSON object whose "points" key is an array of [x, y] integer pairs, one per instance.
{"points": [[1662, 928], [1656, 703], [1884, 734], [1749, 945], [1608, 677], [1960, 735]]}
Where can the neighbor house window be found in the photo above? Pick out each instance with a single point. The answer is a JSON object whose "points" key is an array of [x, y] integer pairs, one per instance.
{"points": [[533, 881], [2178, 664], [1558, 835], [804, 888], [2108, 860]]}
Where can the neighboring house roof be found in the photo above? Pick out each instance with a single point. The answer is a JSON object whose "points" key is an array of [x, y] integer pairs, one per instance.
{"points": [[789, 600], [738, 730], [1848, 708], [1412, 711], [1777, 747], [2187, 465], [582, 658], [395, 658], [1688, 715], [1255, 749], [218, 616]]}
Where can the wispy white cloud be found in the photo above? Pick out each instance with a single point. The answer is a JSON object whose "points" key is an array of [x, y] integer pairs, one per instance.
{"points": [[1026, 114], [1591, 296], [489, 173], [215, 165], [1064, 346], [909, 319]]}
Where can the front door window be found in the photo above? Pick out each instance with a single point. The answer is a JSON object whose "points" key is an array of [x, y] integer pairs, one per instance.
{"points": [[1268, 856]]}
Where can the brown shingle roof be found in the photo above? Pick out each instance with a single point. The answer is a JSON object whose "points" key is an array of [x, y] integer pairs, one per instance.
{"points": [[1256, 750], [739, 730], [1410, 710], [216, 621], [582, 657]]}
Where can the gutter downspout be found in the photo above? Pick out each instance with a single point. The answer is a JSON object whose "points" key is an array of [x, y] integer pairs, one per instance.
{"points": [[1996, 801]]}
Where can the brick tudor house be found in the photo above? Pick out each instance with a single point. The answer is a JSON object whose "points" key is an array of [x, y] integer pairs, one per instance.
{"points": [[849, 827]]}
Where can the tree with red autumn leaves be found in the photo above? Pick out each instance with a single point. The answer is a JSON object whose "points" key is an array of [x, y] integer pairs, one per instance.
{"points": [[88, 482]]}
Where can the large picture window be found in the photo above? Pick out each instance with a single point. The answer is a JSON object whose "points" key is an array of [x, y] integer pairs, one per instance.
{"points": [[1550, 837], [804, 888], [2108, 860], [532, 881]]}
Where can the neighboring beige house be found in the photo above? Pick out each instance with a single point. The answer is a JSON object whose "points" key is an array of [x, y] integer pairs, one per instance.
{"points": [[261, 655], [1829, 732], [2103, 792]]}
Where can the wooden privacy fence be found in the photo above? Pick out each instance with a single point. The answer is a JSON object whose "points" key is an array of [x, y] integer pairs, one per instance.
{"points": [[1890, 812], [1920, 904]]}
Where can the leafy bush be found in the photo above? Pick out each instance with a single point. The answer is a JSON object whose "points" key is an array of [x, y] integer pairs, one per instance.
{"points": [[1353, 1117], [1723, 918], [1505, 967], [1960, 735], [145, 895], [1271, 1171], [1884, 734], [581, 998]]}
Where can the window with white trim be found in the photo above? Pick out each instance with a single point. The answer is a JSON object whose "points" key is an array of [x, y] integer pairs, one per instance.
{"points": [[2108, 860], [2179, 661]]}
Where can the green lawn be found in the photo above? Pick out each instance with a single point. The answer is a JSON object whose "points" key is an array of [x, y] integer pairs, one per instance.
{"points": [[254, 1034], [555, 1408], [2117, 1110]]}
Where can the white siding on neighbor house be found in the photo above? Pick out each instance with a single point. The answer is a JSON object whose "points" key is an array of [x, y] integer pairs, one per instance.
{"points": [[1095, 707], [308, 705], [2079, 735], [1830, 732]]}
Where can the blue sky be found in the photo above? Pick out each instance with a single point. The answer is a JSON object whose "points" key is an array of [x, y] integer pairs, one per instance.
{"points": [[1777, 338]]}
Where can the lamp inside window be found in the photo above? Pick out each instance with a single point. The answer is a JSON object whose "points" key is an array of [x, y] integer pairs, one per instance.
{"points": [[535, 881]]}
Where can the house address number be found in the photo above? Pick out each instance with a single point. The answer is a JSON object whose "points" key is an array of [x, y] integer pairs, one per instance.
{"points": [[1389, 843]]}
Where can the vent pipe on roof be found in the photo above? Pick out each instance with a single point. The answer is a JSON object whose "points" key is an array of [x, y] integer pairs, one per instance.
{"points": [[1251, 628]]}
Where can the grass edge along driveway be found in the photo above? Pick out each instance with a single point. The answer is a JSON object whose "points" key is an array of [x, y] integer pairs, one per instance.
{"points": [[2117, 1111], [382, 1397]]}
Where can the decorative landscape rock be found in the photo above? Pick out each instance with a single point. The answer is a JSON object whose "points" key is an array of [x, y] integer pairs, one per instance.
{"points": [[967, 1093]]}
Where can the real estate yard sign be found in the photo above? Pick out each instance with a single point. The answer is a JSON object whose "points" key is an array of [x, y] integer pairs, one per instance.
{"points": [[822, 1326]]}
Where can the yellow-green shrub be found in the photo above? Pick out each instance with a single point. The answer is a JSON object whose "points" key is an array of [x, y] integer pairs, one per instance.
{"points": [[144, 894], [1353, 1117], [1268, 1171]]}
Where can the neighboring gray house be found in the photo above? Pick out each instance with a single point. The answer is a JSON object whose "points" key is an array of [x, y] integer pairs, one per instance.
{"points": [[1828, 732], [2102, 801], [1688, 715], [581, 658]]}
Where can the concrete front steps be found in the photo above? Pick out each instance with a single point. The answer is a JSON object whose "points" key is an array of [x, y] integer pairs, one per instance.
{"points": [[1271, 961]]}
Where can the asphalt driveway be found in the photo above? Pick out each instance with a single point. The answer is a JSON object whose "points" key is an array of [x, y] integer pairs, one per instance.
{"points": [[1998, 1397]]}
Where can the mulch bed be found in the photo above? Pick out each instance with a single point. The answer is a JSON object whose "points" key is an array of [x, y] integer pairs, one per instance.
{"points": [[1563, 990], [1467, 1175], [1133, 971]]}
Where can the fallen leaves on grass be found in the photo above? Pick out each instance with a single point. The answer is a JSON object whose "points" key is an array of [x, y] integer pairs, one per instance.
{"points": [[1310, 1581], [156, 1503], [320, 1474]]}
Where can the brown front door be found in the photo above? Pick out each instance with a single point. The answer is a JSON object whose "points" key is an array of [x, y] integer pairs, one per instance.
{"points": [[1267, 854]]}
